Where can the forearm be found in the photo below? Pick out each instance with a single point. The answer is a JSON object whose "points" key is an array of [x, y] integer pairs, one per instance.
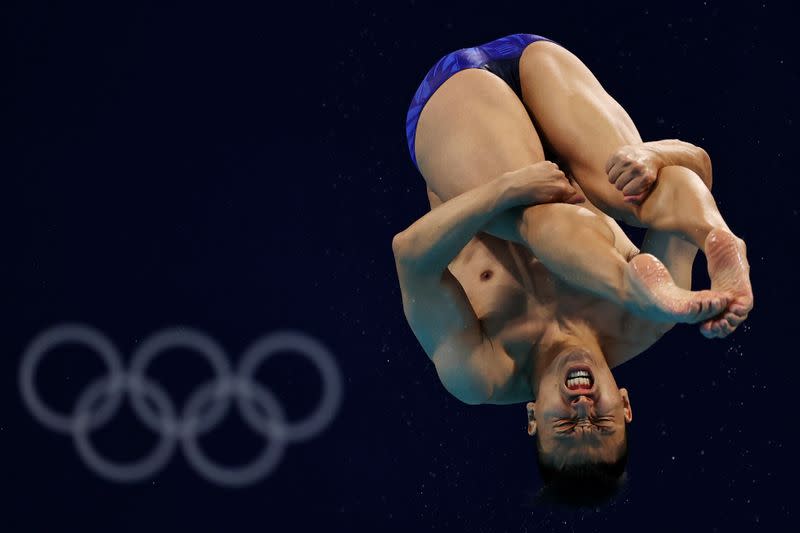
{"points": [[672, 152], [434, 240]]}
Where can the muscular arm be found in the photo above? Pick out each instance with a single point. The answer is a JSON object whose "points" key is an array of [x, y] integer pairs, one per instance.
{"points": [[633, 168], [435, 304], [674, 152]]}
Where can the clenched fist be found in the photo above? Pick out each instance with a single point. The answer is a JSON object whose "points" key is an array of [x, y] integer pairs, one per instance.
{"points": [[633, 169], [539, 183]]}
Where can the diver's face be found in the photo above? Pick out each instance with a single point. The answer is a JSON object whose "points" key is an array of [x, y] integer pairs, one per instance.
{"points": [[579, 413]]}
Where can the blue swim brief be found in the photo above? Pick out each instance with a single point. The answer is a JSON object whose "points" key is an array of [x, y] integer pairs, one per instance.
{"points": [[501, 57]]}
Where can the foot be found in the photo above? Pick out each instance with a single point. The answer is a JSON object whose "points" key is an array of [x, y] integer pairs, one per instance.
{"points": [[656, 296], [730, 273]]}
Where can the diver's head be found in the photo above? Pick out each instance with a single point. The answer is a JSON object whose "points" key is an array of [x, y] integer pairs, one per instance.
{"points": [[579, 420]]}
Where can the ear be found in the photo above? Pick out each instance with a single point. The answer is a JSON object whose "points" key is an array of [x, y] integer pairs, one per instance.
{"points": [[626, 405], [531, 407]]}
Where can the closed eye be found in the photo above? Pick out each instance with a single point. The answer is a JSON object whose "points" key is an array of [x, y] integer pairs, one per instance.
{"points": [[603, 424]]}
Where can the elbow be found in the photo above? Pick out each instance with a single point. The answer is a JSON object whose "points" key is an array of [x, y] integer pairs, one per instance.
{"points": [[398, 241], [406, 250], [469, 395], [401, 247]]}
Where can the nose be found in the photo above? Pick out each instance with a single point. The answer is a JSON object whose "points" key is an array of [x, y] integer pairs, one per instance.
{"points": [[583, 405]]}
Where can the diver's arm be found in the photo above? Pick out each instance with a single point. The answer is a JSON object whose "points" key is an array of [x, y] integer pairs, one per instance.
{"points": [[633, 168], [642, 162], [435, 304], [433, 241], [674, 152]]}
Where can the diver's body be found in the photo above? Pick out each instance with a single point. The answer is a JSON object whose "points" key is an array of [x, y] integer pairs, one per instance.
{"points": [[498, 325], [469, 124], [522, 313]]}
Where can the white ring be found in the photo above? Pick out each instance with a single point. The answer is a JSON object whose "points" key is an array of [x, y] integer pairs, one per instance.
{"points": [[191, 423]]}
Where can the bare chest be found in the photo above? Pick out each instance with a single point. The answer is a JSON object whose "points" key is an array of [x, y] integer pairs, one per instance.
{"points": [[518, 300], [509, 290]]}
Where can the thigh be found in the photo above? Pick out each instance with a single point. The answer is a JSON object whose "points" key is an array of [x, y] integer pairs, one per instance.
{"points": [[432, 198], [578, 119], [472, 130]]}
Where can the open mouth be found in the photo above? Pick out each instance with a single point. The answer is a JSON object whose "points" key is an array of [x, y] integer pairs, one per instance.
{"points": [[579, 379]]}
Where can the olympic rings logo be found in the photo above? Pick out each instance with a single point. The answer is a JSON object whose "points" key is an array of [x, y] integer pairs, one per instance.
{"points": [[203, 411]]}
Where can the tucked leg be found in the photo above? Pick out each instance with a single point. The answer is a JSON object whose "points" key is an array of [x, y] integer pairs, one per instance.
{"points": [[585, 125], [474, 129]]}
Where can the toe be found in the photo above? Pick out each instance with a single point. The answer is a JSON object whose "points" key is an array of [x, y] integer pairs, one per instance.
{"points": [[725, 329], [735, 320], [705, 329], [739, 309]]}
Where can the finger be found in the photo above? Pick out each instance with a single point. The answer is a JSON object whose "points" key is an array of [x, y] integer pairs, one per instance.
{"points": [[565, 190], [643, 183], [610, 162], [556, 194], [627, 177], [616, 171], [635, 199], [576, 199]]}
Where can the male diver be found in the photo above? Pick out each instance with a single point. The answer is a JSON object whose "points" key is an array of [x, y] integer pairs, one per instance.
{"points": [[516, 292]]}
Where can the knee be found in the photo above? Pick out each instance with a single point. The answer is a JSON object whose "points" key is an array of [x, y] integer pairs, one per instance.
{"points": [[544, 56]]}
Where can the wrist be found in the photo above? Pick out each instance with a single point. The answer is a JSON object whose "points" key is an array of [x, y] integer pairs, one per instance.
{"points": [[683, 154], [659, 154], [506, 195]]}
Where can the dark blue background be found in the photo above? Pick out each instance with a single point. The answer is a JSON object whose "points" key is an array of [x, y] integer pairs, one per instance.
{"points": [[243, 169]]}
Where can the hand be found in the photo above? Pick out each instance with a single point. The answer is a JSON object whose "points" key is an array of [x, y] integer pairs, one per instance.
{"points": [[633, 169], [539, 183]]}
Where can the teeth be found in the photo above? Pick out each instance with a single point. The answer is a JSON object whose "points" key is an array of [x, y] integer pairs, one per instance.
{"points": [[578, 374], [578, 383]]}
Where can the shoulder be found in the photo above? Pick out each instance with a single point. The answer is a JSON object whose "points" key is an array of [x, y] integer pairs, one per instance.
{"points": [[481, 375]]}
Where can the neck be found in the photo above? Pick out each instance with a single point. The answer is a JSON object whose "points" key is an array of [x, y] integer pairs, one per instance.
{"points": [[564, 338]]}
